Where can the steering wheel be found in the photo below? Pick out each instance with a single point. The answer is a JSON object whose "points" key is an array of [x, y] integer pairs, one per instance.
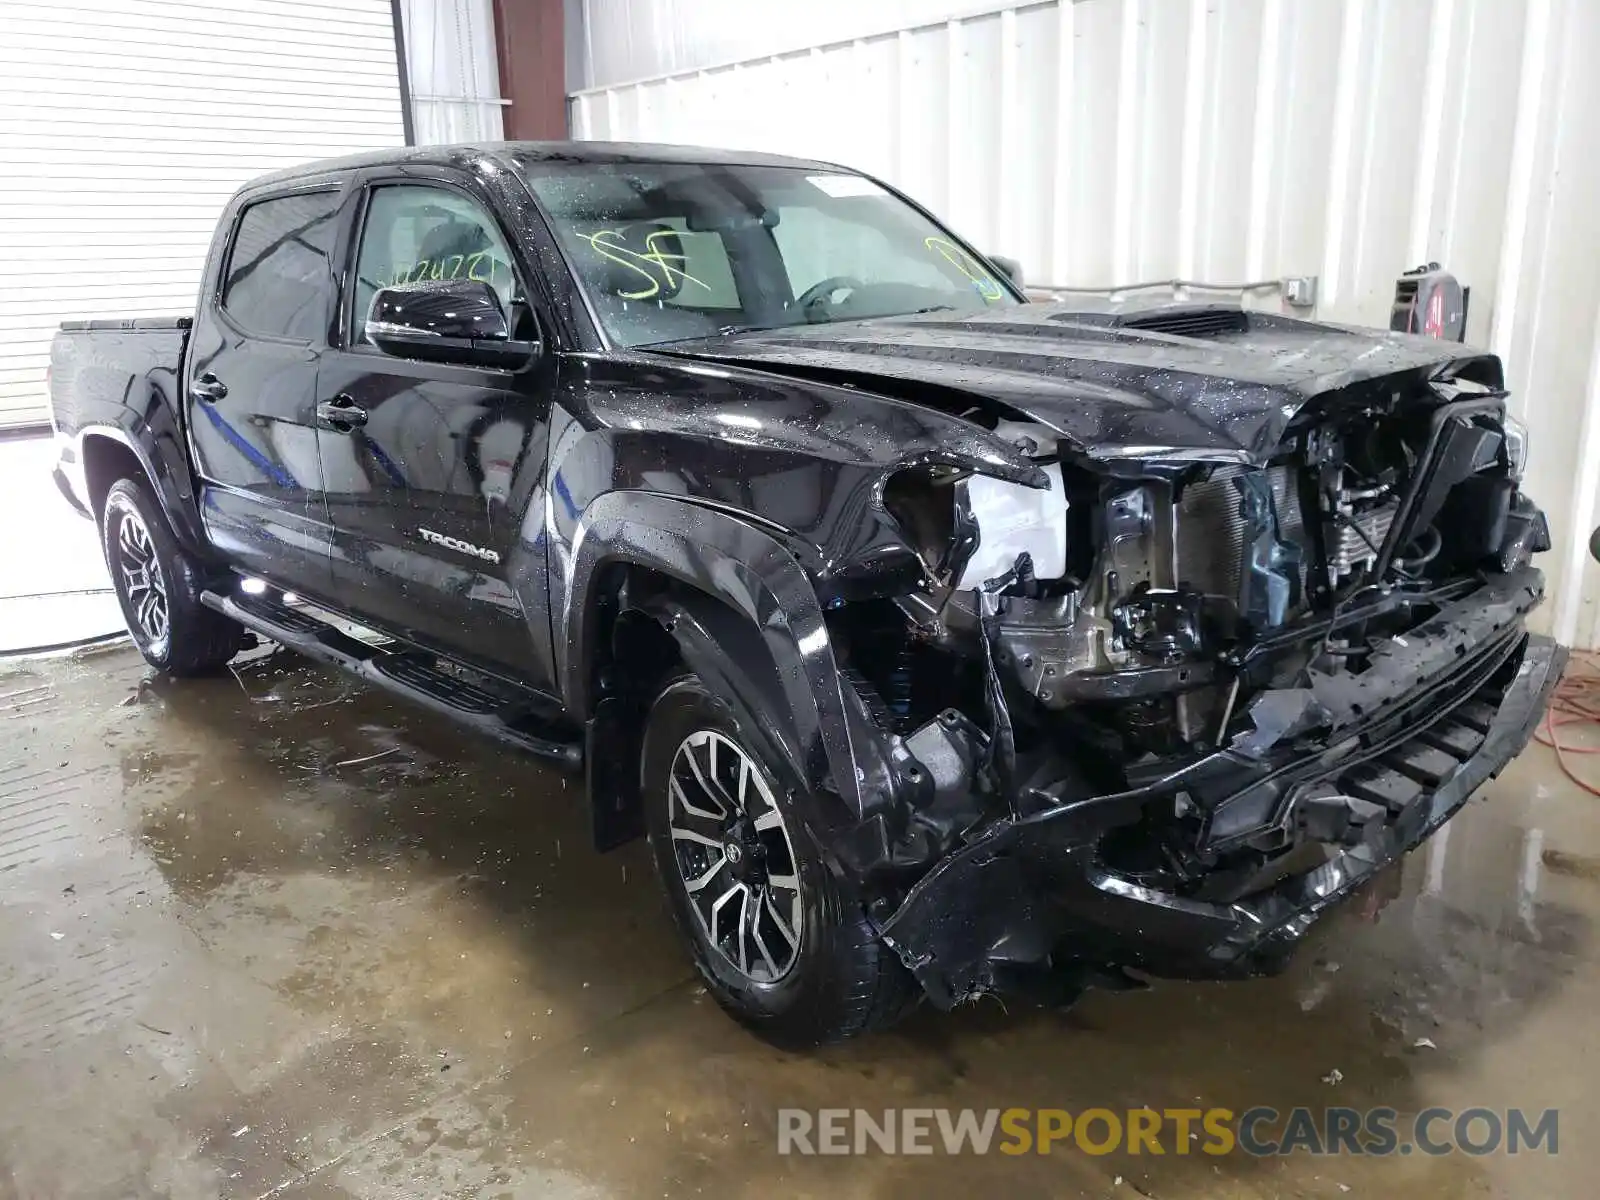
{"points": [[817, 296]]}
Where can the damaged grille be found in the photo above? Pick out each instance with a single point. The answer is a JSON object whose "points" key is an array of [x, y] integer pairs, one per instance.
{"points": [[1415, 768], [1212, 531]]}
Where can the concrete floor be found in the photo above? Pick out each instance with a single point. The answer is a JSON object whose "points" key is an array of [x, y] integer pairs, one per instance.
{"points": [[274, 935]]}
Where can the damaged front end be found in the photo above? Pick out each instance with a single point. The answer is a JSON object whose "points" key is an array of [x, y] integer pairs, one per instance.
{"points": [[1163, 713]]}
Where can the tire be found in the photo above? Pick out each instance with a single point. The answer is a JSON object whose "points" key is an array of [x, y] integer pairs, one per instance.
{"points": [[158, 586], [835, 979]]}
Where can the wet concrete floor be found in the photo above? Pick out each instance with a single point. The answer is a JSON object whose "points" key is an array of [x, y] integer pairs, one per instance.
{"points": [[272, 934]]}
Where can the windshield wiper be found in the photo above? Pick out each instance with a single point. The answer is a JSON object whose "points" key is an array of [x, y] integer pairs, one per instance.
{"points": [[724, 331], [731, 330], [728, 330]]}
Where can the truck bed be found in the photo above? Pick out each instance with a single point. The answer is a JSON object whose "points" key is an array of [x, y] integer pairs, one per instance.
{"points": [[119, 378], [108, 371]]}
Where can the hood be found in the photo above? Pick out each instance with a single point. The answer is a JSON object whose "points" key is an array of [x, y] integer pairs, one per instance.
{"points": [[1167, 381]]}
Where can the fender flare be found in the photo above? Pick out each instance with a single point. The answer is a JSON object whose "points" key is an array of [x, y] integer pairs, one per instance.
{"points": [[172, 489], [749, 620]]}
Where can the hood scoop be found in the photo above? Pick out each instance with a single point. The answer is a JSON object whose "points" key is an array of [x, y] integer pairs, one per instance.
{"points": [[1205, 321]]}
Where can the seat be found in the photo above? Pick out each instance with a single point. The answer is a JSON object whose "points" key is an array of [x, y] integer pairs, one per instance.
{"points": [[633, 272], [454, 239]]}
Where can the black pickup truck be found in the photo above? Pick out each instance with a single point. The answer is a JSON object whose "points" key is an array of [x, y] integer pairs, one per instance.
{"points": [[940, 642]]}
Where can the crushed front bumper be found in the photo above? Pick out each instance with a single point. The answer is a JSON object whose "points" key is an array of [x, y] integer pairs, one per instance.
{"points": [[1036, 889]]}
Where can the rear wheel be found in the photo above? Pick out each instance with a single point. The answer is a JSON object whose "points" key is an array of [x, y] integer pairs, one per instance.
{"points": [[159, 586], [776, 938]]}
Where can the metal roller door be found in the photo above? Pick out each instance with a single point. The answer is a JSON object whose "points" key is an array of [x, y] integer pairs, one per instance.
{"points": [[126, 124]]}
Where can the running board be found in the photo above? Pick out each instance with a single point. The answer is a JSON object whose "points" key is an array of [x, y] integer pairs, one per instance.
{"points": [[483, 706]]}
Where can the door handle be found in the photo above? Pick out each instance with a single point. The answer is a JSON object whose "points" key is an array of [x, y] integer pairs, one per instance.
{"points": [[208, 388], [342, 413]]}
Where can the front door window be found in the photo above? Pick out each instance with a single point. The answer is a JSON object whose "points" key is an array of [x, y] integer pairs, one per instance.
{"points": [[419, 233]]}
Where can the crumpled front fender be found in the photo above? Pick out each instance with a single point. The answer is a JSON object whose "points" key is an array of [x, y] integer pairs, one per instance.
{"points": [[747, 619]]}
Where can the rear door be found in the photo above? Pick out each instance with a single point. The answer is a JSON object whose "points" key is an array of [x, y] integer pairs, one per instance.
{"points": [[427, 493], [260, 331]]}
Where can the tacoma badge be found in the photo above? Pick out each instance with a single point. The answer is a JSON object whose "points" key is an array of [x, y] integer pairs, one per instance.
{"points": [[450, 543]]}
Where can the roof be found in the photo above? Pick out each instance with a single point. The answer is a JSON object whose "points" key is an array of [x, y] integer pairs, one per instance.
{"points": [[471, 154]]}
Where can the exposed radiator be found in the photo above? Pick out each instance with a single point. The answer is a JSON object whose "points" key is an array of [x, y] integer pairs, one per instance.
{"points": [[1349, 549], [1211, 531]]}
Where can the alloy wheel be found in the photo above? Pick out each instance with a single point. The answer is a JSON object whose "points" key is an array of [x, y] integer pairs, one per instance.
{"points": [[142, 581], [735, 856]]}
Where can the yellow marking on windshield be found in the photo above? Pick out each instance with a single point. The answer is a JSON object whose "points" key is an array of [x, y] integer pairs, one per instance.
{"points": [[988, 288], [606, 243]]}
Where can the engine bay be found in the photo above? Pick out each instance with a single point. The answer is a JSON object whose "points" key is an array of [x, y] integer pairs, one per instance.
{"points": [[1174, 594]]}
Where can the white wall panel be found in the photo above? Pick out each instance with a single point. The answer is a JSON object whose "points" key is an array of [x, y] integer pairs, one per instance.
{"points": [[628, 40], [125, 125], [1104, 142], [454, 77]]}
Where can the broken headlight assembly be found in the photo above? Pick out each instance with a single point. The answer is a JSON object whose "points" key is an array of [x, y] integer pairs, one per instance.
{"points": [[1080, 580], [1516, 445], [971, 530], [1011, 521]]}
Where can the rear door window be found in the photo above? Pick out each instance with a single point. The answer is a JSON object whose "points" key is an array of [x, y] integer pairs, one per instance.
{"points": [[278, 280]]}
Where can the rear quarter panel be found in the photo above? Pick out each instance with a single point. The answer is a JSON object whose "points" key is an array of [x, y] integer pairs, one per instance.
{"points": [[122, 381]]}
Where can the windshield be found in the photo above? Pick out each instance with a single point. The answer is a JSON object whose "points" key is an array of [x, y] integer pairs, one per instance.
{"points": [[669, 252]]}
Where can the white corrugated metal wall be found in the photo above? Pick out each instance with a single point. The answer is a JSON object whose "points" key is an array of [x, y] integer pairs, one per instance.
{"points": [[455, 81], [1103, 142], [126, 124]]}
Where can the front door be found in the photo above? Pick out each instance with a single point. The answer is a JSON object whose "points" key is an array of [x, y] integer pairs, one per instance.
{"points": [[428, 485], [254, 351]]}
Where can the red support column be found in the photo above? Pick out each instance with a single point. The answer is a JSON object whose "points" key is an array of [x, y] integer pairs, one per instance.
{"points": [[530, 44]]}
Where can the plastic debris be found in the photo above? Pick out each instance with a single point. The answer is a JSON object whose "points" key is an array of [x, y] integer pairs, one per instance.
{"points": [[356, 762]]}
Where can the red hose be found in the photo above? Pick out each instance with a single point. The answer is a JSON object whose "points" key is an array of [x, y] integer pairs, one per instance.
{"points": [[1575, 701]]}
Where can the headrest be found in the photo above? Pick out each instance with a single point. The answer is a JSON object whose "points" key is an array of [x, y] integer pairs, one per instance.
{"points": [[453, 238], [643, 261]]}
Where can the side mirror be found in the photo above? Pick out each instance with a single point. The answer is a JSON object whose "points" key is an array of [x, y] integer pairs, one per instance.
{"points": [[447, 321], [1010, 266]]}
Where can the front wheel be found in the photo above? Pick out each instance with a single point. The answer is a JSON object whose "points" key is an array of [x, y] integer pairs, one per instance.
{"points": [[777, 940], [159, 586]]}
